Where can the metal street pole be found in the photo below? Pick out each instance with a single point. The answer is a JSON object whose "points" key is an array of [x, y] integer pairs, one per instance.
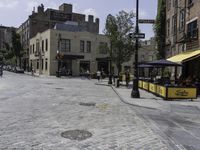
{"points": [[110, 72], [135, 92]]}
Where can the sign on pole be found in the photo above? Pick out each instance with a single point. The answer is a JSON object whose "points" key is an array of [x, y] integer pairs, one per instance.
{"points": [[139, 35], [147, 21]]}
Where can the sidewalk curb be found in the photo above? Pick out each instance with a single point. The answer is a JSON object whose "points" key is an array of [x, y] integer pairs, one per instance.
{"points": [[123, 100]]}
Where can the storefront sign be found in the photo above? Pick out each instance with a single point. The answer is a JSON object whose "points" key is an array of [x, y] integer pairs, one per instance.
{"points": [[145, 85], [161, 90], [152, 87], [182, 92]]}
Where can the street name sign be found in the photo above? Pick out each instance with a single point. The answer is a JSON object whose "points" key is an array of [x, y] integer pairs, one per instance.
{"points": [[148, 21]]}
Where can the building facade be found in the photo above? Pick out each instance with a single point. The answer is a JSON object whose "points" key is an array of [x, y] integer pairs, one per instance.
{"points": [[147, 52], [182, 23], [67, 47], [46, 19]]}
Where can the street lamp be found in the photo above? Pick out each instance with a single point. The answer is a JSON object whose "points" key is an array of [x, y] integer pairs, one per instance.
{"points": [[58, 56], [135, 92]]}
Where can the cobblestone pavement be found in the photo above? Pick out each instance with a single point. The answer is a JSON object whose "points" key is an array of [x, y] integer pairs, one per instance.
{"points": [[35, 111]]}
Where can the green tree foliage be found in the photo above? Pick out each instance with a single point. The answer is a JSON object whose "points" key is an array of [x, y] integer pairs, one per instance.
{"points": [[117, 29], [159, 28], [16, 46]]}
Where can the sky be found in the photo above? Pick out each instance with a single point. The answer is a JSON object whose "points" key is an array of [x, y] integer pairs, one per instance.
{"points": [[15, 12]]}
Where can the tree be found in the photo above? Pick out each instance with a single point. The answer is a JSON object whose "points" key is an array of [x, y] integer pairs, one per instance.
{"points": [[117, 29], [159, 28], [16, 47]]}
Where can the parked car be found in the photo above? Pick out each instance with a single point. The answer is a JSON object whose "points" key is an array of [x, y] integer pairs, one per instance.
{"points": [[18, 70]]}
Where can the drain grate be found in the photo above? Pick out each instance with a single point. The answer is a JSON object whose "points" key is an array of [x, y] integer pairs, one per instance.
{"points": [[59, 88], [87, 104], [78, 135]]}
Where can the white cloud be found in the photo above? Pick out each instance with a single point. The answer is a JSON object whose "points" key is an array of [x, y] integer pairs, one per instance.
{"points": [[9, 4], [90, 11]]}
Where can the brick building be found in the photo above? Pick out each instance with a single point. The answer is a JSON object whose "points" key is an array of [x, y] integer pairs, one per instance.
{"points": [[182, 40], [46, 19]]}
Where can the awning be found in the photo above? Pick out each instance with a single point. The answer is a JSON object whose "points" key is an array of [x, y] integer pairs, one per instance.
{"points": [[103, 59], [72, 57], [185, 56], [162, 63]]}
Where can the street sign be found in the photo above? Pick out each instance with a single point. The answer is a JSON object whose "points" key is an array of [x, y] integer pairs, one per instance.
{"points": [[139, 35], [148, 21]]}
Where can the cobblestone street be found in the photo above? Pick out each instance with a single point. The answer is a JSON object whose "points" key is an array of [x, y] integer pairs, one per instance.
{"points": [[35, 111]]}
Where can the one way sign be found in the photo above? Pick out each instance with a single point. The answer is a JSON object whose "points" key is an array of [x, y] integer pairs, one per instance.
{"points": [[139, 35]]}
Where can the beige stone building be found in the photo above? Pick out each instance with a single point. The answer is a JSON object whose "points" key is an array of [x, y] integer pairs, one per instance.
{"points": [[79, 50], [41, 20]]}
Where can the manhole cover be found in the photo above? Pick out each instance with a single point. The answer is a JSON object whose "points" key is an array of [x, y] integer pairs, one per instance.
{"points": [[87, 104], [78, 135], [59, 88]]}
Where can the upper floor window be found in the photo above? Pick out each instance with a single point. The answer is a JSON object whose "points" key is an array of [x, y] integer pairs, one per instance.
{"points": [[33, 48], [192, 29], [43, 45], [168, 27], [168, 4], [65, 45], [82, 46], [88, 46], [174, 24], [103, 48], [182, 20], [46, 45], [190, 2]]}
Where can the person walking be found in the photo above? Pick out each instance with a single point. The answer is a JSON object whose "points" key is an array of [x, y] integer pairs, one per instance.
{"points": [[127, 76], [98, 75]]}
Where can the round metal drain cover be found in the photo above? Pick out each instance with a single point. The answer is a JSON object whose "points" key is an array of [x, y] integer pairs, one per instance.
{"points": [[78, 135], [87, 104]]}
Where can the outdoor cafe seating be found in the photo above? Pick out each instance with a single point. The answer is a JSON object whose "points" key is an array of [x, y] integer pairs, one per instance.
{"points": [[162, 85]]}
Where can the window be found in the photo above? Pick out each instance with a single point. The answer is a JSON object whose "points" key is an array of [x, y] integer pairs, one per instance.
{"points": [[46, 45], [88, 46], [37, 45], [33, 48], [192, 29], [190, 2], [175, 3], [82, 45], [103, 48], [42, 64], [46, 64], [30, 49], [168, 4], [42, 45], [182, 20], [174, 24], [65, 45], [37, 63], [168, 27]]}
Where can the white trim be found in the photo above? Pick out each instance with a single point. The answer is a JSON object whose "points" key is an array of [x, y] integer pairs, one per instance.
{"points": [[192, 20]]}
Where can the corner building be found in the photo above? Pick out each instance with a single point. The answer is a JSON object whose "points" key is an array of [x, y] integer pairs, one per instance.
{"points": [[79, 49]]}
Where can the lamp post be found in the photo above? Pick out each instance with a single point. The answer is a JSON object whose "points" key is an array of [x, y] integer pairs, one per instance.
{"points": [[135, 92], [110, 72], [58, 56]]}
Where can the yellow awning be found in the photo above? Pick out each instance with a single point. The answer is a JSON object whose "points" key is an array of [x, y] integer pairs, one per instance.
{"points": [[185, 56]]}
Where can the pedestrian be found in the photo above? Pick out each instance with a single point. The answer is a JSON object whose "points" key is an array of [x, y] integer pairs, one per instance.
{"points": [[88, 74], [98, 75], [127, 76]]}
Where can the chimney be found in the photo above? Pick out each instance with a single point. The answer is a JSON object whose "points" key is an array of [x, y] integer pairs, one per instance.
{"points": [[90, 18], [41, 8], [66, 8], [97, 20]]}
